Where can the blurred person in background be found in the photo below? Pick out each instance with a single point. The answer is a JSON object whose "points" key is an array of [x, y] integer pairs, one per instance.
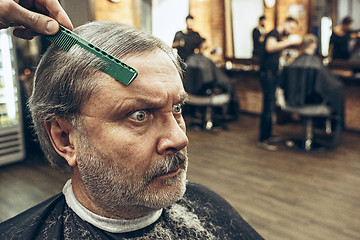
{"points": [[325, 88], [212, 78], [185, 41], [275, 41], [340, 40], [258, 36]]}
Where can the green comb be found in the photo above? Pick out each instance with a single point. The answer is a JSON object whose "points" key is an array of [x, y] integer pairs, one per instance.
{"points": [[117, 69]]}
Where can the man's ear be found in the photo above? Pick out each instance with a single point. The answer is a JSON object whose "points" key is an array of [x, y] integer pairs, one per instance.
{"points": [[62, 137]]}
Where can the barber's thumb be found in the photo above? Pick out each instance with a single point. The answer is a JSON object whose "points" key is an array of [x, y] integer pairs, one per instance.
{"points": [[52, 27], [43, 24]]}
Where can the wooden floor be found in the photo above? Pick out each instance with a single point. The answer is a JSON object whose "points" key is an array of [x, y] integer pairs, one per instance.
{"points": [[286, 194]]}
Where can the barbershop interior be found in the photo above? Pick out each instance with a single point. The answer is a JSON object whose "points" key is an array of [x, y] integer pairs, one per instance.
{"points": [[302, 183]]}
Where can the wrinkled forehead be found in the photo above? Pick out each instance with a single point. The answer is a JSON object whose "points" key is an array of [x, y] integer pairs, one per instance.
{"points": [[158, 81], [158, 84], [155, 71]]}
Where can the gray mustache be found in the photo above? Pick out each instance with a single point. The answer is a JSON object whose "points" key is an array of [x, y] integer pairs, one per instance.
{"points": [[170, 162]]}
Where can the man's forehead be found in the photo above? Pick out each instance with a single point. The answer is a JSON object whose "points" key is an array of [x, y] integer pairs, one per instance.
{"points": [[156, 60], [155, 69], [158, 81]]}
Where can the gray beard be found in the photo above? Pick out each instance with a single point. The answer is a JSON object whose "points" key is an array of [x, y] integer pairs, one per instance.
{"points": [[115, 190]]}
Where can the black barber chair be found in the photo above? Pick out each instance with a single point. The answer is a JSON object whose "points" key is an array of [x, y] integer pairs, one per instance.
{"points": [[298, 95], [206, 104]]}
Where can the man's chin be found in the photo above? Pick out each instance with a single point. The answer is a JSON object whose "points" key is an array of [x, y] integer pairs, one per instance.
{"points": [[166, 190]]}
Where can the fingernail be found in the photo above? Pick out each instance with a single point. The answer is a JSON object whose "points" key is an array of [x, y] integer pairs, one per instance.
{"points": [[52, 27]]}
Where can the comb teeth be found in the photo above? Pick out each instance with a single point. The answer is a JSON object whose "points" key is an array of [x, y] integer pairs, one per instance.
{"points": [[63, 40]]}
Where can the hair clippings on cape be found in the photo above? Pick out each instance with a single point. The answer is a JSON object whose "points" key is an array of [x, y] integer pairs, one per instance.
{"points": [[117, 69]]}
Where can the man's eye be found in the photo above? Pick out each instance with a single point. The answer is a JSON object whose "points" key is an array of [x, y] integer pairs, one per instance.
{"points": [[177, 108], [139, 115]]}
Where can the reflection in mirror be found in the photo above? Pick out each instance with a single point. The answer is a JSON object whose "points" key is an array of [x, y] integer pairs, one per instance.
{"points": [[349, 8], [326, 16], [245, 15], [168, 11]]}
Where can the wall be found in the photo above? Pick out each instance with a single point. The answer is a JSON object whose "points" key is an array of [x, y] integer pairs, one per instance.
{"points": [[270, 18], [79, 11], [209, 22], [352, 101], [298, 9]]}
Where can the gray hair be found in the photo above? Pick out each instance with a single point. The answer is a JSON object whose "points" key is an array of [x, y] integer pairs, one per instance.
{"points": [[308, 40], [64, 81]]}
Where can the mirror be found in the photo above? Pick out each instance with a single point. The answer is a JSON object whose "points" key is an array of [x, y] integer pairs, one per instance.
{"points": [[245, 15], [350, 8]]}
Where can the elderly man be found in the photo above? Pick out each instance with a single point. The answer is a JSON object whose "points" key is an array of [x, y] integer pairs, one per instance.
{"points": [[125, 145]]}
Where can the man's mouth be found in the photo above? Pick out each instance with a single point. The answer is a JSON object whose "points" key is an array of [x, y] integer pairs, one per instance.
{"points": [[174, 172], [171, 173], [174, 168]]}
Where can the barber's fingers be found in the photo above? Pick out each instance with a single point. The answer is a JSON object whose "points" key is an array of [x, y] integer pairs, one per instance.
{"points": [[15, 14], [25, 33]]}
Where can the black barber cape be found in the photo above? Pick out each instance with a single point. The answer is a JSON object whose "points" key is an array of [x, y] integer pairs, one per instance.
{"points": [[306, 79], [200, 214], [210, 74], [203, 74]]}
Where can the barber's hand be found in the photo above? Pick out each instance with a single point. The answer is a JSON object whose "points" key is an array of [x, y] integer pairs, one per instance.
{"points": [[294, 39], [33, 17]]}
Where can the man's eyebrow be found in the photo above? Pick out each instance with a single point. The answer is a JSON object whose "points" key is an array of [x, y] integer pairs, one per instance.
{"points": [[143, 103], [149, 103], [152, 102]]}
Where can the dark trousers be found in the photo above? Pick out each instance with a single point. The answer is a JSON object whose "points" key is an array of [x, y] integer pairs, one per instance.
{"points": [[269, 82]]}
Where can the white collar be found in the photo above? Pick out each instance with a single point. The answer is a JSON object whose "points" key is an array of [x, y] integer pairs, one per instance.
{"points": [[104, 223]]}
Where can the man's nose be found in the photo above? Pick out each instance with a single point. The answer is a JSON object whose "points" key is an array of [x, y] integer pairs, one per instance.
{"points": [[173, 135]]}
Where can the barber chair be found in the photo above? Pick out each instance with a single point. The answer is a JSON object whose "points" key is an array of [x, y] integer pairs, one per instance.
{"points": [[205, 100], [298, 85]]}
